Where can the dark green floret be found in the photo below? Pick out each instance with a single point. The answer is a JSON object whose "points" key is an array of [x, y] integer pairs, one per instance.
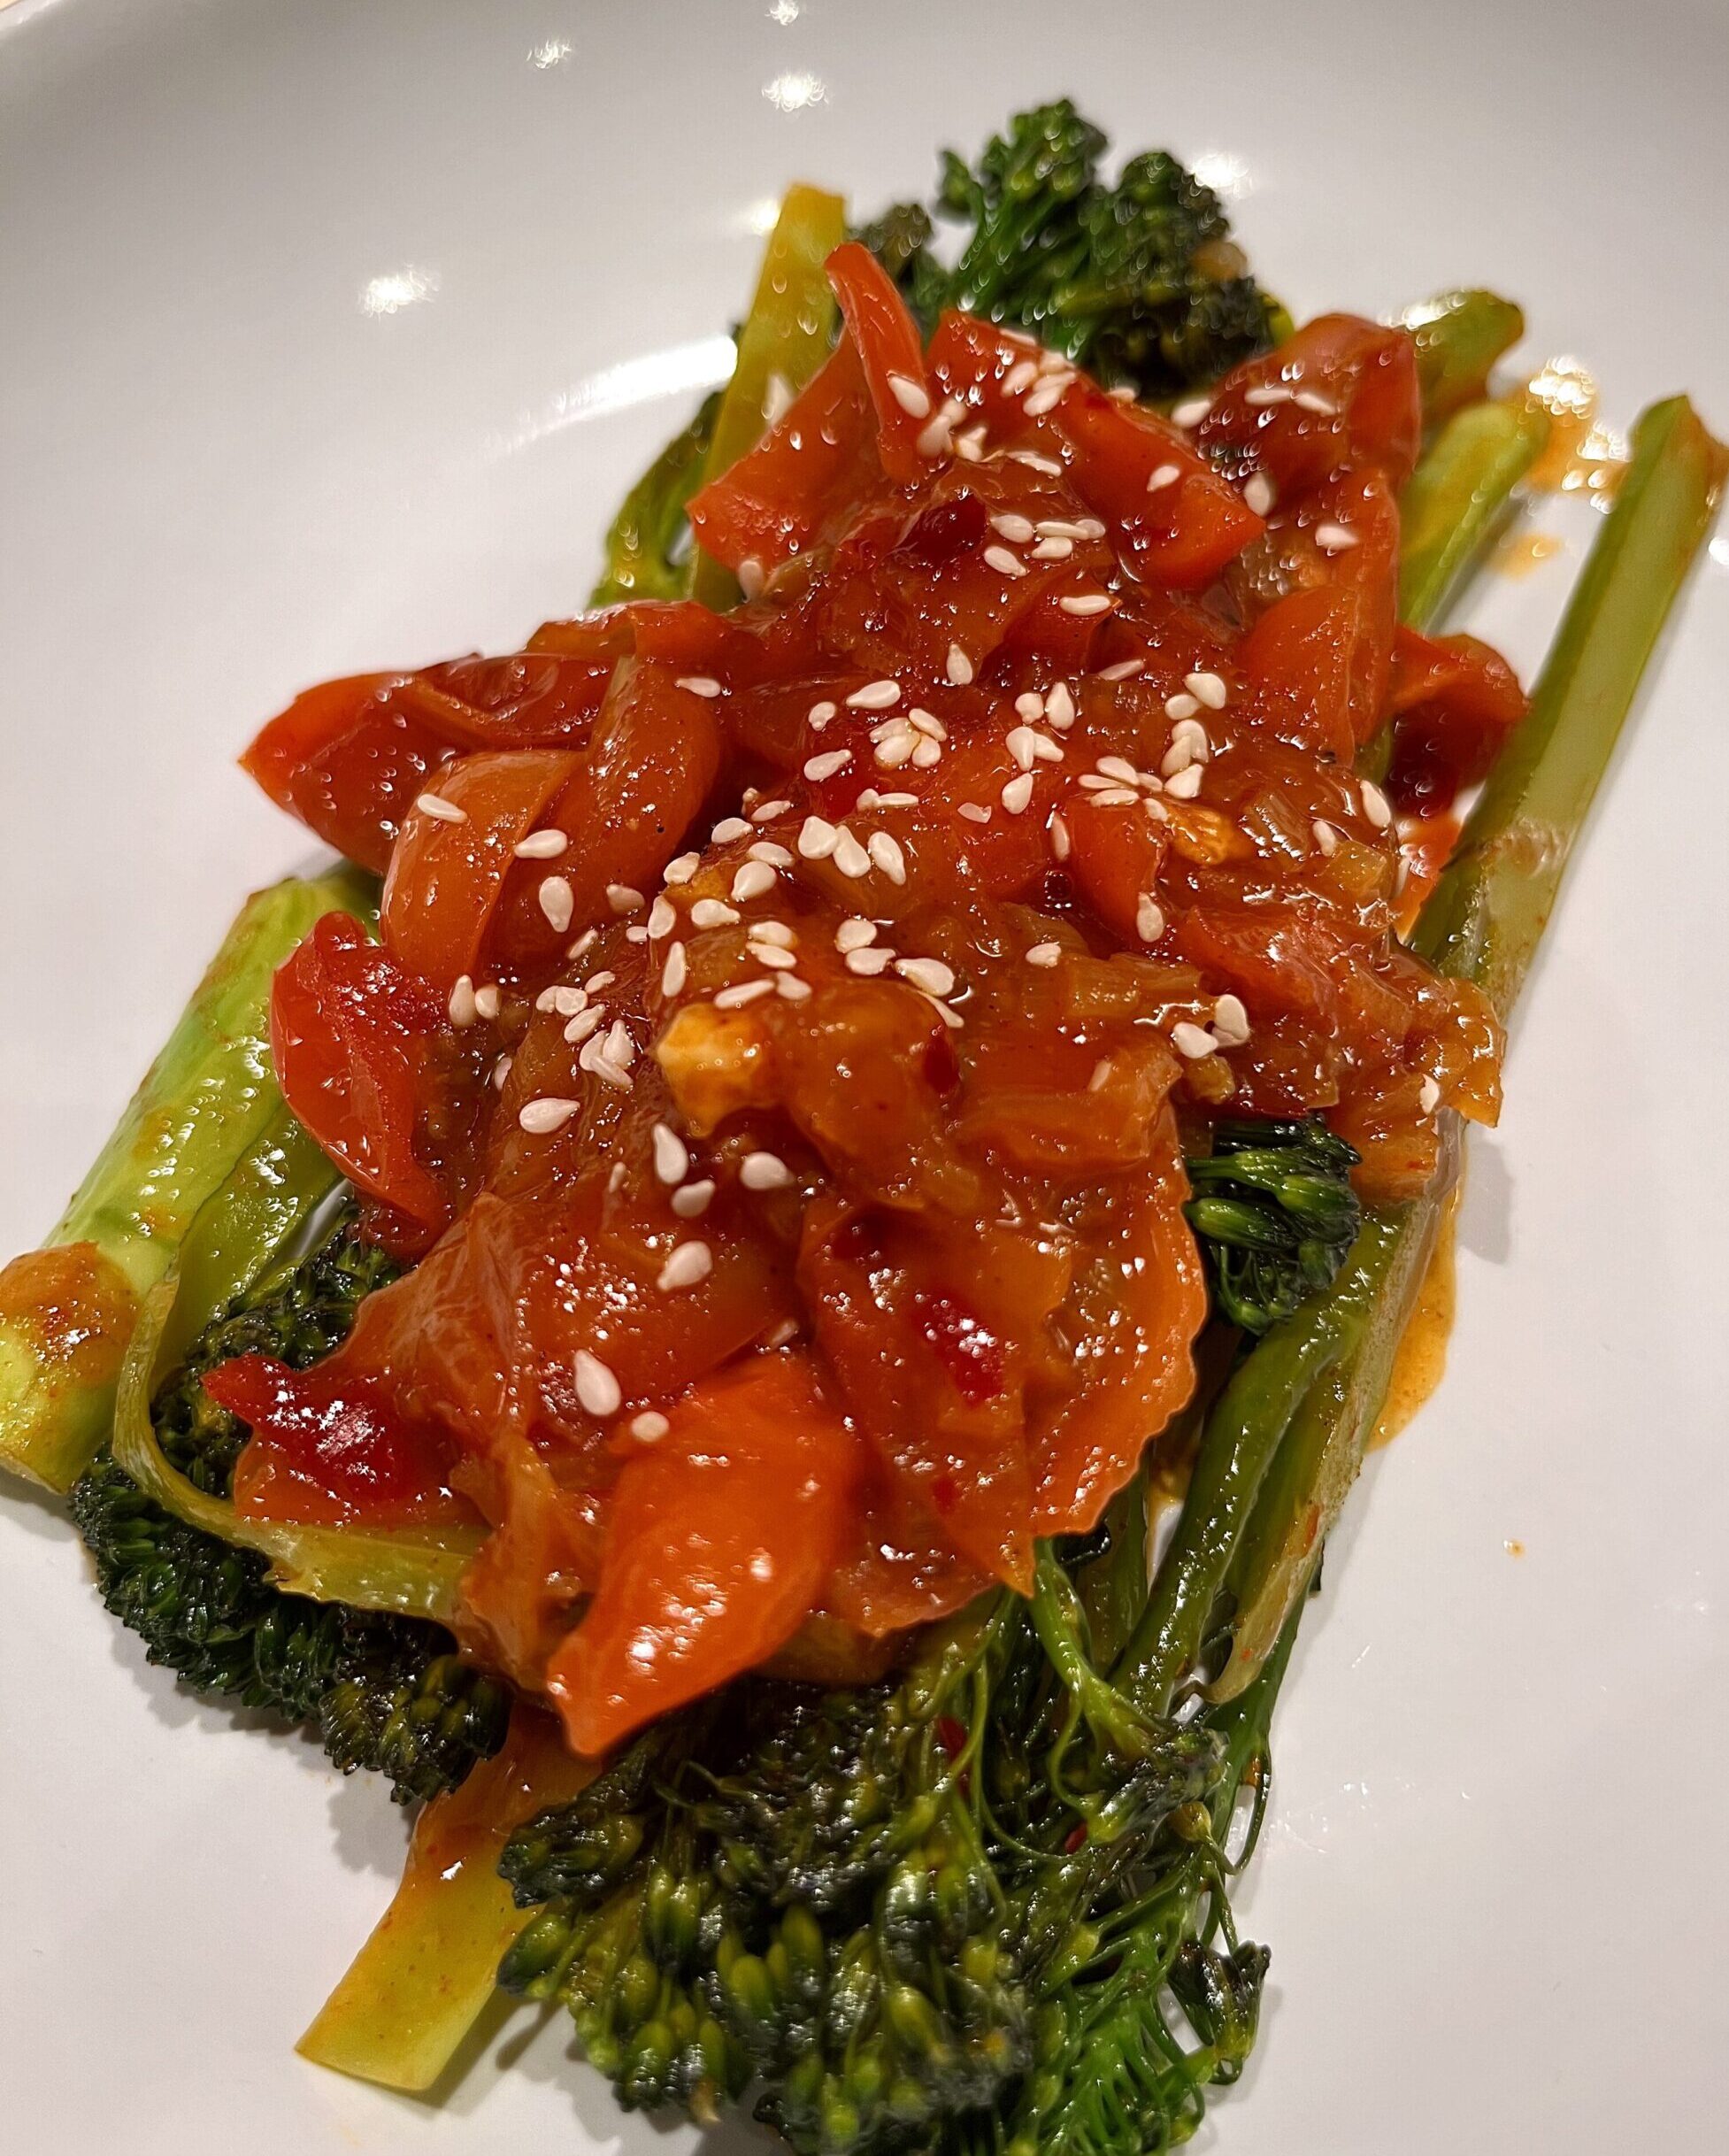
{"points": [[386, 1692], [1275, 1214]]}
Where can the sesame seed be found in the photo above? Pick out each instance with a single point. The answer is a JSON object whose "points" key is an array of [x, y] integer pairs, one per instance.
{"points": [[764, 1172], [1118, 768], [1048, 396], [1085, 602], [751, 578], [541, 846], [1101, 1075], [1059, 837], [1004, 562], [974, 811], [772, 955], [1021, 740], [1121, 393], [596, 982], [957, 667], [673, 972], [1020, 378], [970, 447], [1376, 806], [1163, 475], [1053, 549], [1013, 527], [1191, 412], [699, 684], [927, 751], [817, 769], [597, 1388], [501, 1071], [681, 869], [790, 987], [440, 810], [754, 880], [1044, 954], [558, 903], [538, 1117], [1185, 784], [886, 852], [1311, 400], [875, 697], [1266, 394], [712, 913], [691, 1200], [1208, 688], [854, 932], [583, 1024], [461, 1005], [849, 857], [930, 975], [650, 1426], [896, 745], [1428, 1096], [773, 932], [662, 918], [1148, 918], [1335, 538], [817, 838], [927, 723], [1059, 705], [1231, 1022], [487, 1000], [951, 1018], [820, 714], [936, 437], [1092, 783], [778, 399], [1124, 670], [623, 897], [688, 1264], [911, 396], [1192, 1041], [741, 993], [1258, 493], [671, 1156], [1182, 705], [728, 828], [1030, 705], [1115, 796], [784, 1333], [766, 811], [1325, 837], [1034, 462], [1018, 793]]}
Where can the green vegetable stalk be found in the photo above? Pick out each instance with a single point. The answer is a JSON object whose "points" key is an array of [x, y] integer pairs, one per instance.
{"points": [[1457, 497], [208, 1104], [1459, 337]]}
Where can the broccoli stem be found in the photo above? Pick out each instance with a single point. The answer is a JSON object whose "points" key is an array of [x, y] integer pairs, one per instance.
{"points": [[1482, 924], [644, 539], [416, 1988], [787, 334], [207, 1103], [1458, 496], [1459, 337]]}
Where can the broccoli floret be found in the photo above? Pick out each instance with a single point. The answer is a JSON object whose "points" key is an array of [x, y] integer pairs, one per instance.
{"points": [[1138, 282], [386, 1692], [1275, 1215]]}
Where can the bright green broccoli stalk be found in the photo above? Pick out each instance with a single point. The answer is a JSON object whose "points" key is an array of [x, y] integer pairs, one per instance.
{"points": [[1275, 1214], [1140, 282], [386, 1692]]}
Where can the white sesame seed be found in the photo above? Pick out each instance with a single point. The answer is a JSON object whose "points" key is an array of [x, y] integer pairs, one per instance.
{"points": [[926, 753], [1428, 1096], [597, 1388], [766, 811], [1085, 602], [728, 828], [751, 577], [1311, 400], [764, 1172], [671, 1156], [1124, 670], [1018, 793], [1231, 1022], [1192, 1041], [662, 918], [1163, 475], [1020, 743], [690, 1201], [974, 811], [817, 769], [1092, 783], [911, 396], [1258, 493], [927, 723], [623, 897], [875, 697], [957, 667], [930, 975], [1059, 705], [1013, 527], [817, 838], [849, 857], [1053, 549], [699, 684], [1208, 688], [1182, 705], [1101, 1075], [487, 1001], [1088, 527], [1185, 784], [619, 1049], [854, 932], [688, 1264], [773, 932], [712, 913], [1059, 837], [1266, 394], [440, 810], [538, 1117], [1325, 837], [1376, 806], [885, 851], [1148, 918], [1030, 705], [1020, 378], [741, 993], [461, 1005], [772, 955], [951, 1018], [615, 1176], [649, 1427], [1177, 757], [583, 1024], [1335, 538], [1119, 769], [1044, 954], [596, 982], [754, 880], [501, 1071], [1121, 393], [1115, 796], [558, 903], [1034, 462], [1004, 562], [777, 398], [1191, 412], [820, 714], [541, 846], [681, 869], [673, 972], [936, 437], [791, 987], [1049, 393], [896, 746]]}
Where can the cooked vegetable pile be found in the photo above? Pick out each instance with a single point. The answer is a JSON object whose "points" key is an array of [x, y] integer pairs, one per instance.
{"points": [[938, 1020]]}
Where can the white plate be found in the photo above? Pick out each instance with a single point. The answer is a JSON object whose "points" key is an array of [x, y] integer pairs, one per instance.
{"points": [[331, 334]]}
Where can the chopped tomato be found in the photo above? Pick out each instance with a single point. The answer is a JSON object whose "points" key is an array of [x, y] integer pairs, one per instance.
{"points": [[1454, 701], [893, 355], [1339, 391]]}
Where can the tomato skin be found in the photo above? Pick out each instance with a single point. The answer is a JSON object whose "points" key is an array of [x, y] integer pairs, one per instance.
{"points": [[1453, 702], [1367, 373], [890, 346], [348, 1032], [720, 1537], [348, 759], [1308, 651], [1184, 534]]}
